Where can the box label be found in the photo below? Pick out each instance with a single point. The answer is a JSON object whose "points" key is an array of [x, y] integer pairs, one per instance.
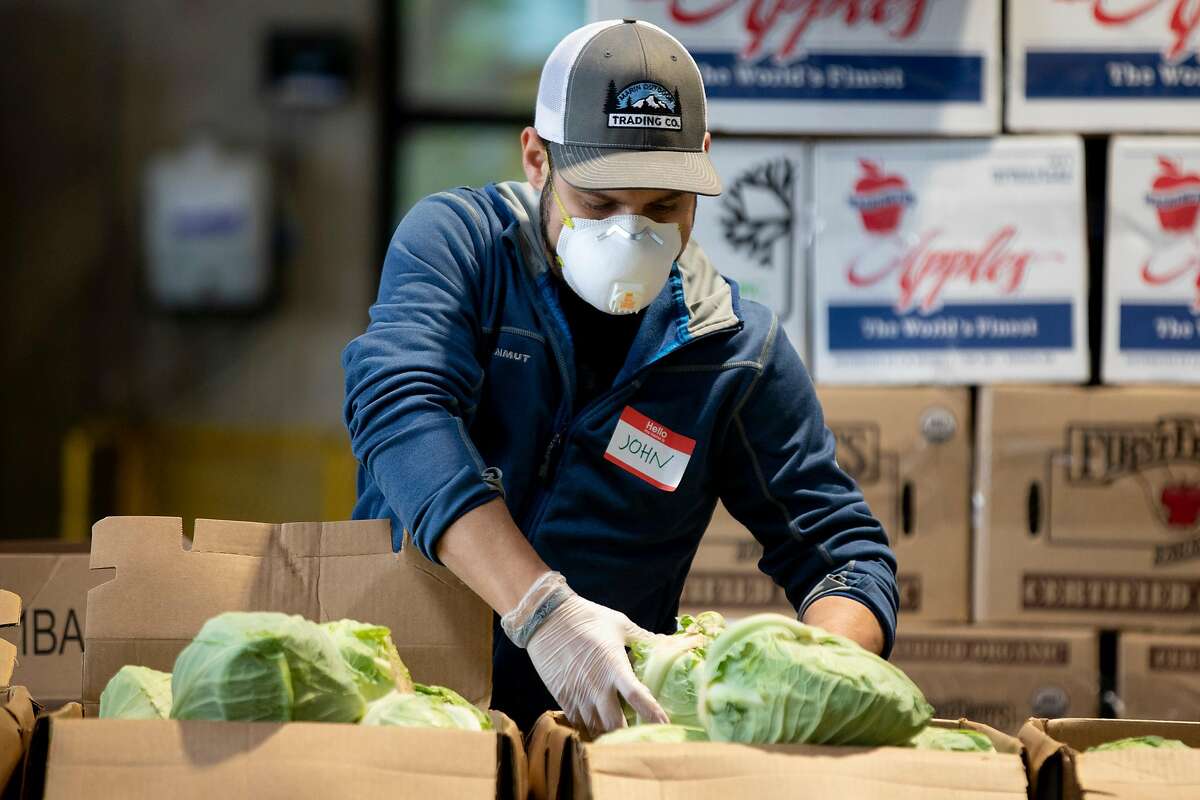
{"points": [[1103, 64], [949, 262], [1152, 261], [811, 66]]}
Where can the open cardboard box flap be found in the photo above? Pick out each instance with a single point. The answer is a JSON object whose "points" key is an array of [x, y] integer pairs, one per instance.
{"points": [[563, 765], [160, 596], [10, 616], [1059, 767]]}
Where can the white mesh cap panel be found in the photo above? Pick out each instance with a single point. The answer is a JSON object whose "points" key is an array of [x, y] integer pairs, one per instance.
{"points": [[549, 116]]}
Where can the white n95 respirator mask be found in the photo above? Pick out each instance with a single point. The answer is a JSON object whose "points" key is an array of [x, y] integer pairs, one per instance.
{"points": [[618, 264]]}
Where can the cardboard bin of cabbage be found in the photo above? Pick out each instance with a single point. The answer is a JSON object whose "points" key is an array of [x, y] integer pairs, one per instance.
{"points": [[765, 705], [279, 660]]}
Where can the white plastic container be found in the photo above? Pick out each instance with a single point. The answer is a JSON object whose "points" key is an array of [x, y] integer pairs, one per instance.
{"points": [[206, 231]]}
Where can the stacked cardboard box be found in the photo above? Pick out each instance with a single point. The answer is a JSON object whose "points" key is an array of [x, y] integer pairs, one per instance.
{"points": [[910, 452], [1001, 676], [52, 579], [1089, 507], [1158, 676]]}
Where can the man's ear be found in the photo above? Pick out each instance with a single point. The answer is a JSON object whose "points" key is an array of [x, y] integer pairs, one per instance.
{"points": [[533, 158], [707, 141]]}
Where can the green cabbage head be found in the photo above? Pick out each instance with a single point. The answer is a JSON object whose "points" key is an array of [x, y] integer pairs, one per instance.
{"points": [[264, 666], [959, 740], [654, 733], [668, 666], [769, 679], [369, 652], [137, 693], [1139, 743], [427, 707]]}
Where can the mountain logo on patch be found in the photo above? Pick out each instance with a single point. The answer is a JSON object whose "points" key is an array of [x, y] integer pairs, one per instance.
{"points": [[644, 104]]}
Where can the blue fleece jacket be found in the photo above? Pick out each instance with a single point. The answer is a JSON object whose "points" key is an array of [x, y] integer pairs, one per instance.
{"points": [[461, 390]]}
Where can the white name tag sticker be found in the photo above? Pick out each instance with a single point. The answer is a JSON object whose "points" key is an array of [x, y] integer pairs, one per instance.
{"points": [[649, 450]]}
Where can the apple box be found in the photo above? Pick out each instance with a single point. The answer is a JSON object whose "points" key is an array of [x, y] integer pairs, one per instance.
{"points": [[1088, 506], [1152, 261], [952, 262], [902, 66], [1099, 66], [755, 232]]}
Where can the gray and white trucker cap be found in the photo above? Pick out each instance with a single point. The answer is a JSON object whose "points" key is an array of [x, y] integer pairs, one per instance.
{"points": [[621, 103]]}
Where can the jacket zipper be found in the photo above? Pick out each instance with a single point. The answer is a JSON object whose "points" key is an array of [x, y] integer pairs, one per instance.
{"points": [[558, 442]]}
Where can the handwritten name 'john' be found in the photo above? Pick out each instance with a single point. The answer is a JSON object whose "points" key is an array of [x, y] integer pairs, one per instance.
{"points": [[646, 451]]}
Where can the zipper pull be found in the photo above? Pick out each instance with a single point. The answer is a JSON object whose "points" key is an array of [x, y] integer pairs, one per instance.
{"points": [[555, 440]]}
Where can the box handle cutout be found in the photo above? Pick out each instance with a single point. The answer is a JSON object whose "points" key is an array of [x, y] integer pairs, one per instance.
{"points": [[1034, 508], [907, 524]]}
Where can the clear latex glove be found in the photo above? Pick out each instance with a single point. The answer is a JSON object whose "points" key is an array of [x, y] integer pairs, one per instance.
{"points": [[579, 652]]}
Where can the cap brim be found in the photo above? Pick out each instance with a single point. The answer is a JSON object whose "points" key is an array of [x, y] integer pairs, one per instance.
{"points": [[619, 168]]}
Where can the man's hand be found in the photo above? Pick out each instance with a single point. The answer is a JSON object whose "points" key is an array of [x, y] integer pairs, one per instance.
{"points": [[579, 652], [846, 617]]}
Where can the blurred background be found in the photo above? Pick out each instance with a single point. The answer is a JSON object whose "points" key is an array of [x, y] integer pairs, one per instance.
{"points": [[296, 133]]}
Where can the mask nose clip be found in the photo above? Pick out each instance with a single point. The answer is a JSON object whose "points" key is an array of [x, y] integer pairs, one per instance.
{"points": [[633, 237]]}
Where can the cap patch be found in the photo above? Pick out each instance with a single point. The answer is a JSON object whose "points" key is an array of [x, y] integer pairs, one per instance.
{"points": [[643, 104]]}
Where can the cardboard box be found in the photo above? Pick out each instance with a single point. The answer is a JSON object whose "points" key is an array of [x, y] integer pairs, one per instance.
{"points": [[756, 231], [1059, 769], [564, 765], [160, 596], [899, 67], [910, 452], [1152, 261], [1088, 506], [17, 709], [954, 261], [1001, 676], [1158, 676], [1102, 66], [52, 579]]}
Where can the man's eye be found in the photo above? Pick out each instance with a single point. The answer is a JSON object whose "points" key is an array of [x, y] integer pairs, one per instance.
{"points": [[664, 208], [600, 206]]}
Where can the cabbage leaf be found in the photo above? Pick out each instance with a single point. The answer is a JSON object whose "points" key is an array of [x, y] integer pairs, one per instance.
{"points": [[136, 693]]}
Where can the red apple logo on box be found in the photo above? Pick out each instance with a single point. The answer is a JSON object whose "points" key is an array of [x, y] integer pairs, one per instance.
{"points": [[880, 198], [1175, 195], [1181, 504]]}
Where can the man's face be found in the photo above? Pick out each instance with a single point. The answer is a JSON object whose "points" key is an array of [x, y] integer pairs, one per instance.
{"points": [[657, 204]]}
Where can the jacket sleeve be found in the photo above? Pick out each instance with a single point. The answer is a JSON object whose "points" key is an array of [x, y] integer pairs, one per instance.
{"points": [[414, 376], [781, 480]]}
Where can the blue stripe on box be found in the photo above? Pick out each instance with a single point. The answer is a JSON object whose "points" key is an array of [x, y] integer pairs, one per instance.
{"points": [[1076, 74], [886, 77], [982, 326], [1159, 327]]}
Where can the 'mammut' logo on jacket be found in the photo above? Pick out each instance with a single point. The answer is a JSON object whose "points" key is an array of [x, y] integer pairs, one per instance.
{"points": [[511, 355]]}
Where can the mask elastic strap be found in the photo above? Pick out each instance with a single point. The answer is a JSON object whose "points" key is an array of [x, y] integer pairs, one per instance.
{"points": [[562, 210]]}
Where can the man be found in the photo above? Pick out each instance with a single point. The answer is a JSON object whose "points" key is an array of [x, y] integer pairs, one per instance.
{"points": [[556, 387]]}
